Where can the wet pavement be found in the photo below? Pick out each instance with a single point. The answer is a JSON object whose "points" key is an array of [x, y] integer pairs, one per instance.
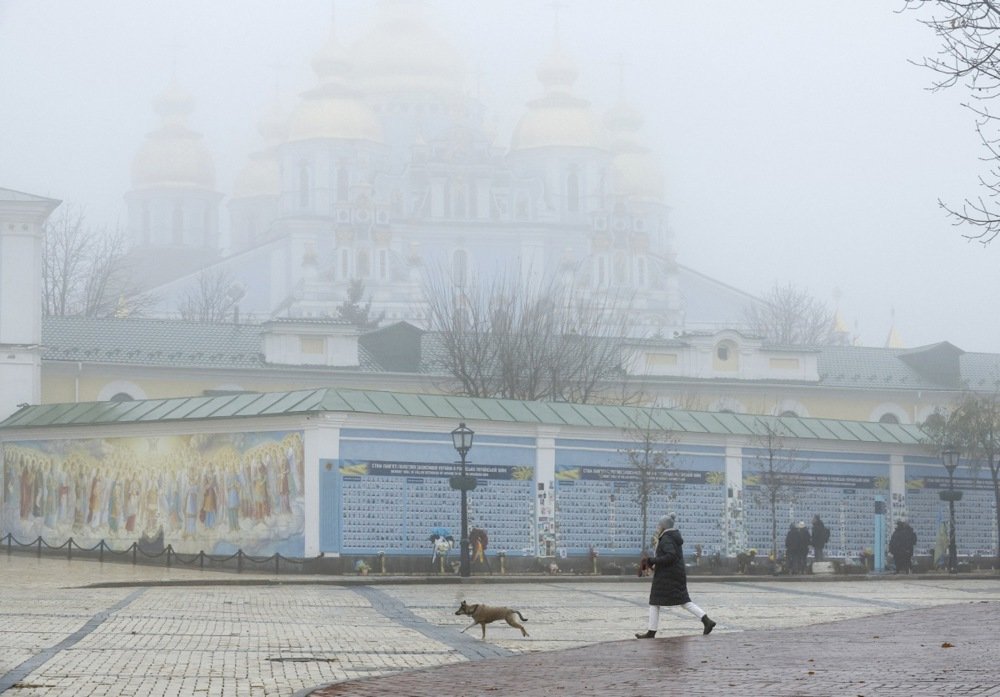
{"points": [[82, 628]]}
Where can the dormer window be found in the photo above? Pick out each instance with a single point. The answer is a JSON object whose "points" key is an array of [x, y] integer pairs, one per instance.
{"points": [[722, 352]]}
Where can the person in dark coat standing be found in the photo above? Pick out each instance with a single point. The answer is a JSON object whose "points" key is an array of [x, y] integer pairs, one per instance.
{"points": [[901, 545], [669, 586], [820, 536]]}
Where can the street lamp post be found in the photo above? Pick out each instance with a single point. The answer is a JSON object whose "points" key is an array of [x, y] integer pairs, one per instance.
{"points": [[950, 457], [461, 438]]}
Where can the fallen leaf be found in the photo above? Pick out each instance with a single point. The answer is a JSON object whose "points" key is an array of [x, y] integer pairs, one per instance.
{"points": [[946, 645]]}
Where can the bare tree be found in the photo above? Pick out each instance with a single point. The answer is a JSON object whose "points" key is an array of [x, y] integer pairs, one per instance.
{"points": [[212, 298], [650, 456], [500, 337], [85, 271], [357, 310], [774, 472], [791, 317], [969, 32]]}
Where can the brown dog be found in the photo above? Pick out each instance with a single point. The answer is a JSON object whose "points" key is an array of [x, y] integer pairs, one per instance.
{"points": [[484, 614]]}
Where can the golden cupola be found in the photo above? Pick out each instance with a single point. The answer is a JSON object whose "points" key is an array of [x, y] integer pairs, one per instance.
{"points": [[261, 176], [637, 172], [333, 109], [173, 155], [403, 54], [559, 118]]}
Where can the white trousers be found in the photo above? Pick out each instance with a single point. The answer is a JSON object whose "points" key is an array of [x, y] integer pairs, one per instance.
{"points": [[654, 614]]}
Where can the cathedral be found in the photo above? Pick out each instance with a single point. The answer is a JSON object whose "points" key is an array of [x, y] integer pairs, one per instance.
{"points": [[386, 171]]}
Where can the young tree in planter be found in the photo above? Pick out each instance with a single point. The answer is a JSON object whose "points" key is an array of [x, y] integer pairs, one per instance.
{"points": [[774, 472], [650, 457]]}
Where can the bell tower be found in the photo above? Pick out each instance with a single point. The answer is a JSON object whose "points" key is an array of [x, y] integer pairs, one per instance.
{"points": [[21, 245]]}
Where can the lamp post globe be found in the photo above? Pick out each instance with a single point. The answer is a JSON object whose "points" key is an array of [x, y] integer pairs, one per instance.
{"points": [[461, 439], [950, 458]]}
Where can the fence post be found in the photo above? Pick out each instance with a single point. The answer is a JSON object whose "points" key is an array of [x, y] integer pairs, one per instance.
{"points": [[277, 563], [10, 541], [201, 558], [239, 561], [170, 550], [100, 551], [69, 549], [135, 552], [39, 546]]}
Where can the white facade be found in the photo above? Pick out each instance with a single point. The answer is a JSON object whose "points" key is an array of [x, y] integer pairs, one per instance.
{"points": [[386, 171], [21, 243]]}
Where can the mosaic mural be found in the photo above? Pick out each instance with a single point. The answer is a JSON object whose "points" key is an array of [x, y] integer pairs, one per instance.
{"points": [[211, 492]]}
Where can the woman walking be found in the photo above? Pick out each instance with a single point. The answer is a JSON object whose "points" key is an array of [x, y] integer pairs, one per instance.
{"points": [[669, 578]]}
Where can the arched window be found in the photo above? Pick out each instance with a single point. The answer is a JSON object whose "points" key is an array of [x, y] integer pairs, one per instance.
{"points": [[343, 184], [145, 222], [304, 185], [177, 227], [460, 200], [363, 266], [888, 418], [383, 264], [789, 413], [726, 356], [621, 272], [459, 267], [573, 192], [345, 265], [121, 397]]}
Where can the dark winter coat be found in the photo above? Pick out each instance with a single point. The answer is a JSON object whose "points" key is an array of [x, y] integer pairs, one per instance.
{"points": [[820, 534], [669, 577], [902, 542]]}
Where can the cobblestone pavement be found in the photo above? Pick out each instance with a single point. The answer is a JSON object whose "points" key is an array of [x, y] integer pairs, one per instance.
{"points": [[67, 629], [941, 651]]}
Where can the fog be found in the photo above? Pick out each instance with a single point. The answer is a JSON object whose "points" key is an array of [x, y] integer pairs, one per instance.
{"points": [[799, 142]]}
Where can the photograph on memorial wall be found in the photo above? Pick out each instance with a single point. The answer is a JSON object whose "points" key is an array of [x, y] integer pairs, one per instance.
{"points": [[597, 507], [410, 507], [844, 503], [198, 492], [975, 522]]}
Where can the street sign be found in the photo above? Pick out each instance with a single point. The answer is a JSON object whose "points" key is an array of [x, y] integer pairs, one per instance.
{"points": [[462, 483]]}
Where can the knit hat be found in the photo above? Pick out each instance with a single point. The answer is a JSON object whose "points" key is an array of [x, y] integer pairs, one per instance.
{"points": [[666, 522]]}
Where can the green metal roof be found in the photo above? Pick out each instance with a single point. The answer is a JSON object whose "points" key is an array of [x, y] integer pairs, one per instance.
{"points": [[447, 407]]}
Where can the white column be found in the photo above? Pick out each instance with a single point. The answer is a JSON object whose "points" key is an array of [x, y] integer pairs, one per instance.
{"points": [[321, 440], [545, 480], [897, 488], [734, 524]]}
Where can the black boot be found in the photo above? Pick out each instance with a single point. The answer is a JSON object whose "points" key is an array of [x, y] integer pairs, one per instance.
{"points": [[709, 625], [649, 634]]}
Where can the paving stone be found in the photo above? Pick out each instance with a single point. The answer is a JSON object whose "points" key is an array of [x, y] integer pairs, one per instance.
{"points": [[216, 638]]}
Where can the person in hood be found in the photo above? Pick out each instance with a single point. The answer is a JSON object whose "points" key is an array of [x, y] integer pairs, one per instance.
{"points": [[901, 545], [669, 585]]}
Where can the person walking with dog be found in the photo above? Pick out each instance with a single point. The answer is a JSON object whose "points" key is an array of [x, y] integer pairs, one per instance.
{"points": [[669, 587]]}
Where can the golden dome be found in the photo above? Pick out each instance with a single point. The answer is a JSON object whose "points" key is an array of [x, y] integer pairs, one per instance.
{"points": [[333, 109], [401, 53], [329, 115], [559, 119], [173, 155], [261, 176], [637, 173]]}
